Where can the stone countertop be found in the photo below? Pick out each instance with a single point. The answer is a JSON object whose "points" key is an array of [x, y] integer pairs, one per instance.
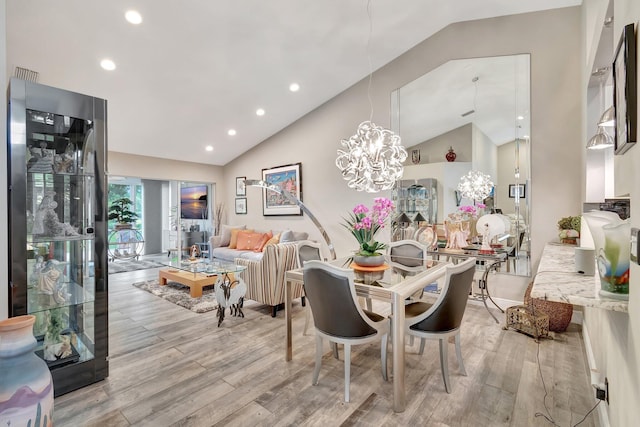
{"points": [[556, 280]]}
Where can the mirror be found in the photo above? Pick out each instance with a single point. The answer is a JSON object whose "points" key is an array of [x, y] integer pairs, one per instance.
{"points": [[469, 114]]}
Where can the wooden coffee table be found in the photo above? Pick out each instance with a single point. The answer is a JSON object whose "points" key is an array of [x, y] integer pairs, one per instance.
{"points": [[198, 274], [194, 280]]}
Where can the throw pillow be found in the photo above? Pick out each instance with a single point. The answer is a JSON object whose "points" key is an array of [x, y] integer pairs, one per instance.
{"points": [[293, 236], [247, 241], [233, 241], [263, 241], [272, 241], [225, 233]]}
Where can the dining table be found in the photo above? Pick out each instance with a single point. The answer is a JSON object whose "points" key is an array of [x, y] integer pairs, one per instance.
{"points": [[391, 286]]}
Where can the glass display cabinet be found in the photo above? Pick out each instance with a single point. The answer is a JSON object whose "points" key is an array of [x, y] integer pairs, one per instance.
{"points": [[58, 228], [417, 196]]}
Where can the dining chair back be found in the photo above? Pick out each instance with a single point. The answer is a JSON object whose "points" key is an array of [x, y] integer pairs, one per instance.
{"points": [[338, 317], [443, 318], [308, 251]]}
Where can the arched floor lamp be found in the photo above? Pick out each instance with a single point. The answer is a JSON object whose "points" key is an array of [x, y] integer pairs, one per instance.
{"points": [[262, 184]]}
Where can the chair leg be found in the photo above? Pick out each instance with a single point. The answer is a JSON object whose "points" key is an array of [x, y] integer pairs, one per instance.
{"points": [[369, 304], [303, 301], [422, 341], [444, 365], [459, 354], [307, 321], [334, 346], [274, 309], [383, 356], [316, 371], [347, 370]]}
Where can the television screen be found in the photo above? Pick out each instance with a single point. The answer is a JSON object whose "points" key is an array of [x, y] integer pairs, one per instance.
{"points": [[193, 202]]}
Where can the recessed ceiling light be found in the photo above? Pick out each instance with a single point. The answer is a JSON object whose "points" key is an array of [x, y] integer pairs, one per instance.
{"points": [[209, 148], [108, 64], [133, 17], [294, 87], [520, 117], [260, 112], [231, 132]]}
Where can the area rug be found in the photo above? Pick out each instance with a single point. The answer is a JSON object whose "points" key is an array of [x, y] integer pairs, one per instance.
{"points": [[120, 266], [179, 295]]}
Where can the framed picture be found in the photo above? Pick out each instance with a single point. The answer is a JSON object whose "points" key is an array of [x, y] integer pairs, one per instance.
{"points": [[625, 91], [288, 178], [241, 190], [193, 201], [517, 190], [241, 206]]}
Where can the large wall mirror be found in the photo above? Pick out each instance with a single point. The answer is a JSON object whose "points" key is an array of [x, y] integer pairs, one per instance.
{"points": [[471, 114]]}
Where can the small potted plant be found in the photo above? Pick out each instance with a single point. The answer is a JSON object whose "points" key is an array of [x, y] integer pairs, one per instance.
{"points": [[569, 229], [121, 212]]}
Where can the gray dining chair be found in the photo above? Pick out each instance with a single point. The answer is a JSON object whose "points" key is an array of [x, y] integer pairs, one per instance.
{"points": [[408, 257], [339, 318], [443, 318], [308, 250]]}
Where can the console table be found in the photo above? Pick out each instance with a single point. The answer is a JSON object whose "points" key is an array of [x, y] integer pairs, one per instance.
{"points": [[556, 280]]}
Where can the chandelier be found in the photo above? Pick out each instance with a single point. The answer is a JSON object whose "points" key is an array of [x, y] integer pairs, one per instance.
{"points": [[371, 160], [475, 185]]}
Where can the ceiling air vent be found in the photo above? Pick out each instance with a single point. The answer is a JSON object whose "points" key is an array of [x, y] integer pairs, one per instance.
{"points": [[26, 74]]}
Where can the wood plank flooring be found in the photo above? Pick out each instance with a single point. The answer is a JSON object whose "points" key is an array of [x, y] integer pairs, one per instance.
{"points": [[172, 367]]}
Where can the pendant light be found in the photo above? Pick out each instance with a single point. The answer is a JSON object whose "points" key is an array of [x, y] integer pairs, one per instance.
{"points": [[371, 159], [601, 140]]}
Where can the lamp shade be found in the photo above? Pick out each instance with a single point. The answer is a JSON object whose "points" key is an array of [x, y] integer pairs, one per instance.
{"points": [[608, 118], [600, 140], [419, 218], [403, 219]]}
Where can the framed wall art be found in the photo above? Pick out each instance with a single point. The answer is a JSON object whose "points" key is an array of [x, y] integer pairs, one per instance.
{"points": [[241, 190], [241, 206], [517, 190], [289, 179], [625, 91]]}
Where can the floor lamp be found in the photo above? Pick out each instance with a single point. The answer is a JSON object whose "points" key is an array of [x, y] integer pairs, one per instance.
{"points": [[262, 184]]}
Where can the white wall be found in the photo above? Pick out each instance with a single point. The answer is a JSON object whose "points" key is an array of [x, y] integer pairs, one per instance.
{"points": [[555, 112], [485, 153], [615, 337]]}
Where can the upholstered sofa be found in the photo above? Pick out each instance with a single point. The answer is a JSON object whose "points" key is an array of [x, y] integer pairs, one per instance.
{"points": [[266, 268]]}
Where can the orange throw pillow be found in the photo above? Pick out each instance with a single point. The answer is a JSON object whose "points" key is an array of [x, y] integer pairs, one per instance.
{"points": [[263, 241], [247, 241], [272, 241], [233, 242]]}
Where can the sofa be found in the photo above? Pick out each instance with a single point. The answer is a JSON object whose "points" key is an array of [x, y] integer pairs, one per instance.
{"points": [[266, 266]]}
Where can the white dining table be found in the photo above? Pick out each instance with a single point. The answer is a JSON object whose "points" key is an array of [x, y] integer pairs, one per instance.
{"points": [[393, 289]]}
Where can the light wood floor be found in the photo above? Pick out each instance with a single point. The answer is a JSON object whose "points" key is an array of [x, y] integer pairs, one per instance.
{"points": [[172, 367]]}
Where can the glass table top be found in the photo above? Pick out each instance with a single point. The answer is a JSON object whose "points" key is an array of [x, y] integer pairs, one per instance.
{"points": [[204, 266]]}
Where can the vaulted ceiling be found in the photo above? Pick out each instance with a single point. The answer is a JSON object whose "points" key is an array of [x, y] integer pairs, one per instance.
{"points": [[194, 69]]}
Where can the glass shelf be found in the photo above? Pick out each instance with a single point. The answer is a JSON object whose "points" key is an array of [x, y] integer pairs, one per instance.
{"points": [[72, 294]]}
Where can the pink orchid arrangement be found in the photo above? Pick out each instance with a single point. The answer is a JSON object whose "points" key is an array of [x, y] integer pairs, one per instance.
{"points": [[466, 212], [363, 224]]}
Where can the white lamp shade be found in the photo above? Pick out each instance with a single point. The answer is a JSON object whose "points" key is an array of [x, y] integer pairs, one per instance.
{"points": [[495, 224]]}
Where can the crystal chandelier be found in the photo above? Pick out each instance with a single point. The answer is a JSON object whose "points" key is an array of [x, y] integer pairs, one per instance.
{"points": [[371, 160], [475, 185]]}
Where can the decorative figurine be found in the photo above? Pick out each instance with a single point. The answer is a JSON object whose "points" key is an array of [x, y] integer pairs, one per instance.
{"points": [[46, 222]]}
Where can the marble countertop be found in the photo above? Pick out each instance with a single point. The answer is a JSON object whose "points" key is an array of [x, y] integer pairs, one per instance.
{"points": [[556, 280]]}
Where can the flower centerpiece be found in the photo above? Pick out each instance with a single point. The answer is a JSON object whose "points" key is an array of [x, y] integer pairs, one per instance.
{"points": [[466, 212], [569, 229], [363, 224]]}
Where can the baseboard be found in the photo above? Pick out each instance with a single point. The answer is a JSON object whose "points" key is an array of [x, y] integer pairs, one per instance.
{"points": [[603, 409]]}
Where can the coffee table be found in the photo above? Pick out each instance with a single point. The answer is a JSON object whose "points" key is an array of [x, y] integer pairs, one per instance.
{"points": [[229, 288], [197, 274]]}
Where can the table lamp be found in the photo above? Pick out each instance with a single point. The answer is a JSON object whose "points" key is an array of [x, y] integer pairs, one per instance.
{"points": [[489, 226]]}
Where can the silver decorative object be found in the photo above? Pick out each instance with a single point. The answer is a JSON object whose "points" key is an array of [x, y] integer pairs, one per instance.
{"points": [[371, 160]]}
